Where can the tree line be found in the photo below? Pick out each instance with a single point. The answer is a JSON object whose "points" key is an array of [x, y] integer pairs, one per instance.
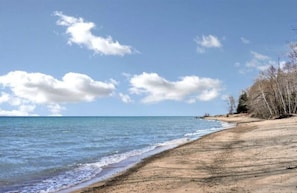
{"points": [[274, 92]]}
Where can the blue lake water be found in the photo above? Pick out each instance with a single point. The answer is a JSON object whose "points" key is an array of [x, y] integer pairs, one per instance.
{"points": [[55, 154]]}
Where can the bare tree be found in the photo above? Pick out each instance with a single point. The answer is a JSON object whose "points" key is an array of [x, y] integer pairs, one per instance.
{"points": [[274, 93], [231, 104]]}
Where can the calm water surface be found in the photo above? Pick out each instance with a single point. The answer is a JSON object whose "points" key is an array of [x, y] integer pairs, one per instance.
{"points": [[51, 154]]}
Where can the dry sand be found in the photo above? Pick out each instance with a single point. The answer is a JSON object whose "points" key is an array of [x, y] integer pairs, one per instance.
{"points": [[255, 156]]}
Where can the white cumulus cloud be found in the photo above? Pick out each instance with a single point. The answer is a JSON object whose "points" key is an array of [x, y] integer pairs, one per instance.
{"points": [[189, 88], [55, 109], [4, 98], [206, 42], [79, 32], [29, 89]]}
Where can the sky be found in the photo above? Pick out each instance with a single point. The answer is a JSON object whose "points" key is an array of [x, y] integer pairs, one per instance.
{"points": [[136, 57]]}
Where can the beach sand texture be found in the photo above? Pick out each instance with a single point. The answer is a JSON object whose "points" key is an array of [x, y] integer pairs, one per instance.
{"points": [[255, 156]]}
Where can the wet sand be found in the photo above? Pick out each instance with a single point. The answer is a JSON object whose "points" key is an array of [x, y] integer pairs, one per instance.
{"points": [[255, 156]]}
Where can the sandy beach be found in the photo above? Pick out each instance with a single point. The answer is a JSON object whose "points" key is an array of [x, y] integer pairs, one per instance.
{"points": [[255, 156]]}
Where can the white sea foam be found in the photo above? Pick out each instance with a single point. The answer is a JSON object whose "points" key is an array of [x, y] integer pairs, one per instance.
{"points": [[64, 180], [117, 158], [227, 125], [197, 133], [82, 173], [173, 143]]}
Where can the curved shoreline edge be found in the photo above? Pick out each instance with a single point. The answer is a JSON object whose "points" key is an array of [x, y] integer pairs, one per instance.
{"points": [[254, 156], [105, 180]]}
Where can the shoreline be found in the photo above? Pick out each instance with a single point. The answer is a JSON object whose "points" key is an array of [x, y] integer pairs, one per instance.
{"points": [[142, 160], [102, 184], [254, 156], [124, 149]]}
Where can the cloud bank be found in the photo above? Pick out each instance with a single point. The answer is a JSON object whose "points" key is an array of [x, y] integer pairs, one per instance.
{"points": [[189, 88], [206, 42], [23, 92], [26, 90], [79, 32]]}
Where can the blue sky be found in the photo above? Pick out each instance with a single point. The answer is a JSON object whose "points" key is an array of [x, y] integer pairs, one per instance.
{"points": [[136, 57]]}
